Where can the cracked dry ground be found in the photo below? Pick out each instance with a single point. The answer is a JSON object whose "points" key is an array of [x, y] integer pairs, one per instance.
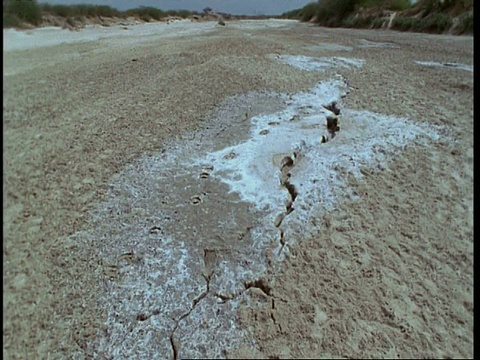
{"points": [[388, 275]]}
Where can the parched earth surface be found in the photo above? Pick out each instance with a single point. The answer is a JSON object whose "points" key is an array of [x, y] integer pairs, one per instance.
{"points": [[149, 209]]}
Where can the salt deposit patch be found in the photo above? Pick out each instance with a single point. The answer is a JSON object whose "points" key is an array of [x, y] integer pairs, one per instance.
{"points": [[446, 64], [366, 140], [308, 63], [251, 168], [185, 236]]}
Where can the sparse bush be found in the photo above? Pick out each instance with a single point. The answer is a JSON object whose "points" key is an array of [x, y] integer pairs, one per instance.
{"points": [[406, 24], [106, 11], [467, 24], [147, 13], [145, 17], [354, 21], [24, 10], [437, 22], [350, 22], [180, 13], [377, 23], [61, 10], [70, 21], [80, 10]]}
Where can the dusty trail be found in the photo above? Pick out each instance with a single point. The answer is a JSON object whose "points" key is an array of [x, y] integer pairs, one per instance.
{"points": [[115, 148]]}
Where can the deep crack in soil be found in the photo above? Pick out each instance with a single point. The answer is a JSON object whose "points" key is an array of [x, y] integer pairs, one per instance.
{"points": [[175, 347]]}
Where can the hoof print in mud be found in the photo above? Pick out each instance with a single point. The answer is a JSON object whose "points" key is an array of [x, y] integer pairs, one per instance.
{"points": [[230, 156], [286, 161], [142, 317], [195, 200], [205, 171], [155, 230]]}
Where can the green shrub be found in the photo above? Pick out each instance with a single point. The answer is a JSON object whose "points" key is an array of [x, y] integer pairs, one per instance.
{"points": [[353, 21], [350, 22], [45, 7], [467, 24], [147, 12], [308, 11], [80, 10], [377, 23], [369, 3], [398, 5], [437, 22], [105, 11], [70, 21], [10, 20], [428, 6], [183, 13], [406, 23], [61, 10], [25, 10], [145, 17], [86, 10], [334, 12]]}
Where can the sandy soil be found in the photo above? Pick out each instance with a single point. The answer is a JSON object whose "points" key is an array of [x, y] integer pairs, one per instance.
{"points": [[385, 273]]}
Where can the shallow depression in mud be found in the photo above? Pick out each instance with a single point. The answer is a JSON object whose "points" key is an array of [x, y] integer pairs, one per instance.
{"points": [[185, 232]]}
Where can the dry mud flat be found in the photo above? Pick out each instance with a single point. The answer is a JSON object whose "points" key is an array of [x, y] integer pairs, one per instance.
{"points": [[149, 209]]}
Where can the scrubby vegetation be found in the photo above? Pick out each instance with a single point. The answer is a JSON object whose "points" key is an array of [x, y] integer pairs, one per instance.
{"points": [[435, 16], [10, 20], [79, 10], [18, 12]]}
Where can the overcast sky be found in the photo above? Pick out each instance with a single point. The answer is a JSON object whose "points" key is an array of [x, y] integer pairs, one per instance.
{"points": [[236, 7]]}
